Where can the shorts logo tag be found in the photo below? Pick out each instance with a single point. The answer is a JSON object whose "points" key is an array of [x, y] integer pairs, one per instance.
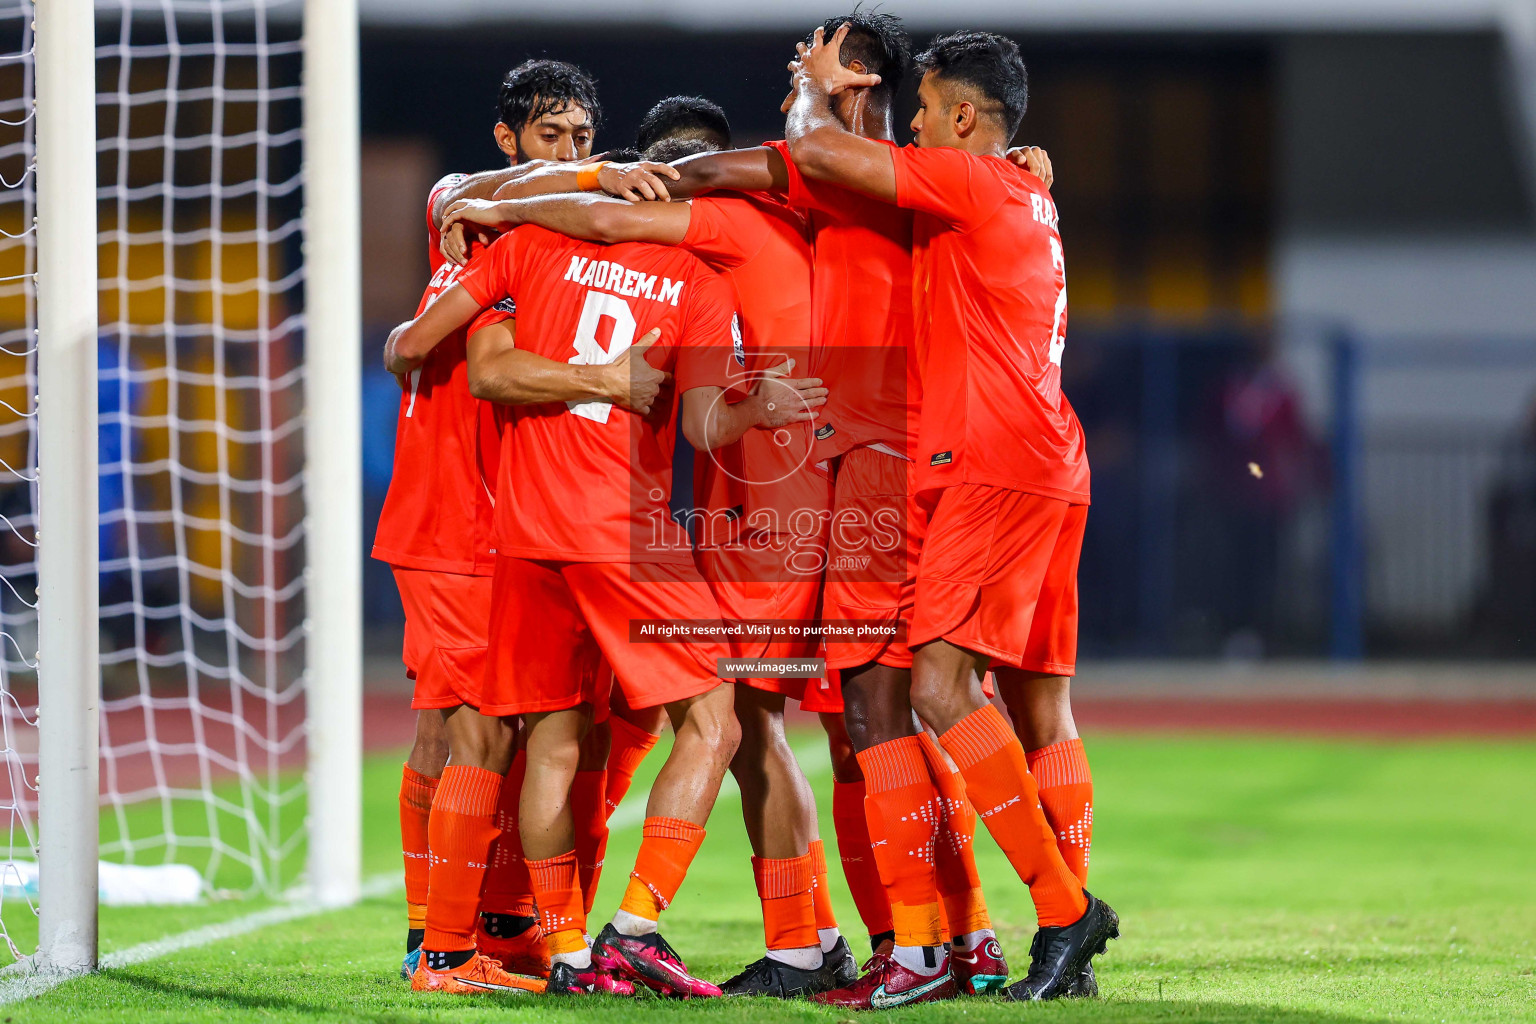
{"points": [[942, 458], [825, 431]]}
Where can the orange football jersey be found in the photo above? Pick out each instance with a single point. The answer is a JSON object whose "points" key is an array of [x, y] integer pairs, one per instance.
{"points": [[862, 316], [587, 481], [437, 513], [759, 245], [990, 300]]}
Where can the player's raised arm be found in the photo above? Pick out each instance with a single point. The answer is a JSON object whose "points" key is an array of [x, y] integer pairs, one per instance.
{"points": [[410, 343], [820, 145], [501, 372]]}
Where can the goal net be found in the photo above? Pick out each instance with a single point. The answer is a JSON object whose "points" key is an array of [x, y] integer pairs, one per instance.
{"points": [[202, 527]]}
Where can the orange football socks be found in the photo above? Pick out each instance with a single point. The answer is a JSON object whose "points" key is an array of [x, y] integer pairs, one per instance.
{"points": [[667, 848], [1002, 790], [789, 908], [562, 915], [416, 792], [903, 811], [859, 867], [1066, 796], [508, 889], [461, 831], [965, 908], [591, 820], [629, 746], [821, 892]]}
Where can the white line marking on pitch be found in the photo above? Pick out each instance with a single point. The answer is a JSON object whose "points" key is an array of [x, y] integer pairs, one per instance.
{"points": [[628, 815], [26, 986]]}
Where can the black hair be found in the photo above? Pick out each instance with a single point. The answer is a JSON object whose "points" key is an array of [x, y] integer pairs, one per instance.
{"points": [[680, 126], [536, 88], [624, 155], [877, 40], [987, 62], [667, 150]]}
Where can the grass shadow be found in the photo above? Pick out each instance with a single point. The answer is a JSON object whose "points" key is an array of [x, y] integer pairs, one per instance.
{"points": [[220, 1001]]}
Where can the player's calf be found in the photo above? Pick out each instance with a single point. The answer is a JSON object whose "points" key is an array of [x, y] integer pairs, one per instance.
{"points": [[853, 841], [461, 829], [707, 736], [780, 813]]}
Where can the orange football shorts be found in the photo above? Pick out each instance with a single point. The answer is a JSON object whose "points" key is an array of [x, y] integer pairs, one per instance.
{"points": [[998, 575], [447, 616], [872, 553], [555, 624]]}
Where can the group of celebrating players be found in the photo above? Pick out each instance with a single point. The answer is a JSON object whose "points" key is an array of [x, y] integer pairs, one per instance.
{"points": [[861, 344]]}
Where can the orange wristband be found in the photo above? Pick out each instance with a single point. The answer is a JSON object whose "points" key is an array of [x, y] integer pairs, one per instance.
{"points": [[586, 176]]}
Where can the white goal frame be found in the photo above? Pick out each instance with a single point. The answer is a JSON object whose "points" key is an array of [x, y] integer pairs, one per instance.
{"points": [[69, 671]]}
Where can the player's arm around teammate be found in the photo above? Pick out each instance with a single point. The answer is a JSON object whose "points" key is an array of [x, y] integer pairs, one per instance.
{"points": [[597, 218], [710, 422], [502, 373]]}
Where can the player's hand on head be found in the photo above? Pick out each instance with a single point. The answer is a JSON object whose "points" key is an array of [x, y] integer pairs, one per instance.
{"points": [[640, 181], [821, 61], [1034, 160], [634, 382]]}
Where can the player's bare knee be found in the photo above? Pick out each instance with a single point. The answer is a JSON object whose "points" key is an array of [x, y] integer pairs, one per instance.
{"points": [[479, 741], [483, 750], [869, 727], [595, 747], [927, 700], [725, 735], [941, 700], [874, 711], [429, 752], [760, 716], [845, 764], [562, 756], [1040, 706], [713, 726]]}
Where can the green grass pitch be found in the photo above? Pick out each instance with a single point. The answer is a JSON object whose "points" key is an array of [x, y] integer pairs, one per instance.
{"points": [[1257, 879]]}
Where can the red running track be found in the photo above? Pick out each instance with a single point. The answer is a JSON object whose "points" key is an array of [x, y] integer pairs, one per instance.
{"points": [[389, 723]]}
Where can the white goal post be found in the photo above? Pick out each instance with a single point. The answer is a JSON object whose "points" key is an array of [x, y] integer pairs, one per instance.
{"points": [[333, 333], [72, 756], [68, 663]]}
